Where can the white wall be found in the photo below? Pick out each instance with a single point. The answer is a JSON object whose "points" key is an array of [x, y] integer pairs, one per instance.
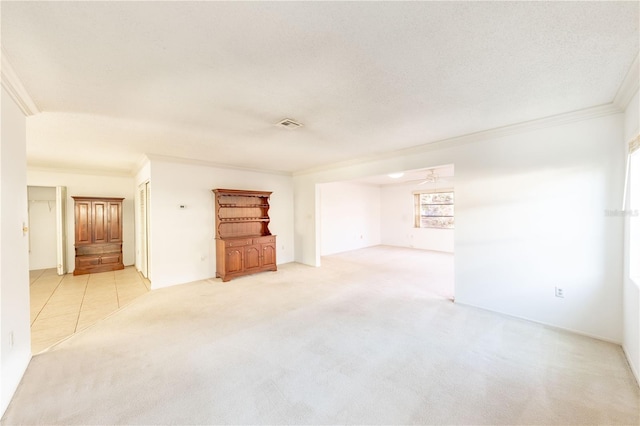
{"points": [[183, 243], [42, 227], [349, 217], [91, 185], [631, 290], [398, 219], [531, 217], [530, 204], [305, 214], [14, 258]]}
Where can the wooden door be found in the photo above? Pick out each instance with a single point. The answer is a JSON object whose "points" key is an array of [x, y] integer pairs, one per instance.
{"points": [[234, 260], [83, 222], [268, 254], [252, 257], [99, 218], [114, 222]]}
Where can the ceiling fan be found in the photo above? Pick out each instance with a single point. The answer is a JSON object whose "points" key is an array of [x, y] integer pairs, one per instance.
{"points": [[432, 177]]}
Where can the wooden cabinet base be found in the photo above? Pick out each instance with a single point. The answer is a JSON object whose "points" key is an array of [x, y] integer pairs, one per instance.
{"points": [[236, 257], [97, 268], [229, 277], [98, 258]]}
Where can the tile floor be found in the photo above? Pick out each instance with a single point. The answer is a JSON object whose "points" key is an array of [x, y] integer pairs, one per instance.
{"points": [[64, 305]]}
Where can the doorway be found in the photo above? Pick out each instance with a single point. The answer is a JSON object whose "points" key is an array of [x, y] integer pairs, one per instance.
{"points": [[47, 228], [390, 210], [61, 303]]}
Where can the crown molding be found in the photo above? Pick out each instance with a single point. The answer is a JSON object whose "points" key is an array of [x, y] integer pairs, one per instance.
{"points": [[629, 86], [142, 161], [62, 168], [12, 84], [498, 132], [182, 160]]}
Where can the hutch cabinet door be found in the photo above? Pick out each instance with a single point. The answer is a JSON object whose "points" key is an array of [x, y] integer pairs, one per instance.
{"points": [[83, 222], [252, 258], [268, 254], [114, 225], [99, 218], [234, 260]]}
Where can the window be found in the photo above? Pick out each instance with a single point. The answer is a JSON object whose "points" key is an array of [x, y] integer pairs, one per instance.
{"points": [[434, 210]]}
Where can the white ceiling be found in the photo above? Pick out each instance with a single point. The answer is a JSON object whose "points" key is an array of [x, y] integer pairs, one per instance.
{"points": [[208, 80]]}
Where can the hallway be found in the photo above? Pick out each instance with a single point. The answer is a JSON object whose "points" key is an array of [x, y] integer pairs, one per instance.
{"points": [[64, 305]]}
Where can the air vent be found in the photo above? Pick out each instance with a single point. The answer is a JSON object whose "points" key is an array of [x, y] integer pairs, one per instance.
{"points": [[288, 123]]}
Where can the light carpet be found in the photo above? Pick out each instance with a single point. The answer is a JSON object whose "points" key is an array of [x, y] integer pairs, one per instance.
{"points": [[368, 338]]}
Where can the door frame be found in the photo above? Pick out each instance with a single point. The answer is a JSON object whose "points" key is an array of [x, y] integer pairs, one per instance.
{"points": [[143, 231], [61, 229]]}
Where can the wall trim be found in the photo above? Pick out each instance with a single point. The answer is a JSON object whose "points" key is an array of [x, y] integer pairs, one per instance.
{"points": [[12, 84], [32, 166], [631, 366], [629, 86], [142, 161], [498, 132], [553, 326]]}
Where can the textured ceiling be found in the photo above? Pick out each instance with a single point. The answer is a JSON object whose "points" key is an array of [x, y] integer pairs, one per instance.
{"points": [[439, 177], [208, 80]]}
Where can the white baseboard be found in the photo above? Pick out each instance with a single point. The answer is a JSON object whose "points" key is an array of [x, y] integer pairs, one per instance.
{"points": [[633, 368]]}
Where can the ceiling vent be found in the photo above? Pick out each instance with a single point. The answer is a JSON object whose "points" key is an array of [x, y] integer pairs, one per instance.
{"points": [[288, 123]]}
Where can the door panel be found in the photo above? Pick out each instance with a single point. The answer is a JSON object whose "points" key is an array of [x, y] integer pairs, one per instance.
{"points": [[84, 262], [234, 260], [268, 254], [99, 221], [109, 258], [114, 227], [251, 258], [83, 222]]}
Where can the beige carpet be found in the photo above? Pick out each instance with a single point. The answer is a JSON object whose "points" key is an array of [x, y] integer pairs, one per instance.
{"points": [[366, 339]]}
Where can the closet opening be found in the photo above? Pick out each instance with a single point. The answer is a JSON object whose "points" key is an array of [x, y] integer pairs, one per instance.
{"points": [[47, 229]]}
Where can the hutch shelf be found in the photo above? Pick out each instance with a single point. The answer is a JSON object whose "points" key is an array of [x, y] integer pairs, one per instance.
{"points": [[244, 244]]}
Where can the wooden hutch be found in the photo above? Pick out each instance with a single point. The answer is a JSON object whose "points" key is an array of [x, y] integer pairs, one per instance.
{"points": [[98, 234], [244, 244]]}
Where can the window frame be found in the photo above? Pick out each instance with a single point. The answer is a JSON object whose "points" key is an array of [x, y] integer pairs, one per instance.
{"points": [[417, 204]]}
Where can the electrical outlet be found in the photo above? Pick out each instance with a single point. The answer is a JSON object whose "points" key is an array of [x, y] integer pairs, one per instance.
{"points": [[559, 292]]}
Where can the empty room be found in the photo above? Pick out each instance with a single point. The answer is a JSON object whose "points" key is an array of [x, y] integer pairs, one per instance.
{"points": [[320, 213]]}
